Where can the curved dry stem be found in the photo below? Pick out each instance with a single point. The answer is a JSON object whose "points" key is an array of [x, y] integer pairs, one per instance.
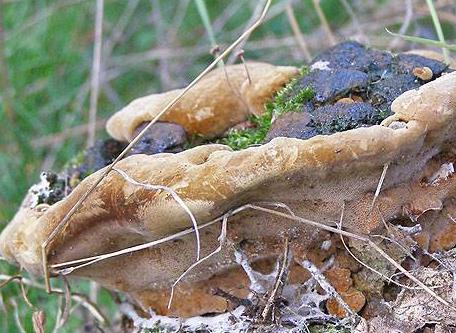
{"points": [[18, 278], [336, 230], [64, 222], [68, 267], [395, 264], [222, 240], [169, 190], [81, 299]]}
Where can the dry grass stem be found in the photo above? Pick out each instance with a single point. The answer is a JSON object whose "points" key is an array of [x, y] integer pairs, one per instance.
{"points": [[297, 32], [247, 73], [396, 265], [175, 197], [402, 247], [282, 276], [69, 266], [62, 224], [66, 302], [95, 75], [379, 186], [18, 279], [326, 286], [118, 30], [256, 16], [405, 23], [79, 298], [324, 23], [222, 239], [355, 21]]}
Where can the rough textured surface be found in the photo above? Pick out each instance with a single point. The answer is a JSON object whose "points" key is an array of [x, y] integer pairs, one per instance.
{"points": [[161, 137], [313, 177], [212, 106], [352, 72], [292, 125], [331, 84]]}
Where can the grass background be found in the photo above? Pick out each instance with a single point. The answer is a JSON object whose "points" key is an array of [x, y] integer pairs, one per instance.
{"points": [[148, 46]]}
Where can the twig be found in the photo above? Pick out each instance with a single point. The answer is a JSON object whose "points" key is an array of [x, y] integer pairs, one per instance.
{"points": [[365, 240], [56, 138], [63, 223], [18, 278], [66, 302], [324, 22], [95, 76], [297, 32], [246, 69], [94, 259], [336, 230], [44, 14], [163, 64]]}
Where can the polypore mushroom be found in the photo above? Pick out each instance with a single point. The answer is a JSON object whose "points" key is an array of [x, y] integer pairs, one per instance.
{"points": [[224, 98], [314, 178]]}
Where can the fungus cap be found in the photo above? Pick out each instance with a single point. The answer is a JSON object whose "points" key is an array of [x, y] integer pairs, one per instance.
{"points": [[313, 177]]}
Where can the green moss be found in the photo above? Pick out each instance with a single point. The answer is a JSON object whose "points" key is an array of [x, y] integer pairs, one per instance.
{"points": [[76, 161], [288, 99]]}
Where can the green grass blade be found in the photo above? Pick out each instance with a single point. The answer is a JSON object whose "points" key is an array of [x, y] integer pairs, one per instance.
{"points": [[202, 10], [438, 28], [424, 41]]}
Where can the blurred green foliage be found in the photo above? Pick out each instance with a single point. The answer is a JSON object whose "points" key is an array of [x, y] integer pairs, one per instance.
{"points": [[48, 53]]}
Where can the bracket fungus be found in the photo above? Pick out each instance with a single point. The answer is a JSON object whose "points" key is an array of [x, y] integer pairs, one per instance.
{"points": [[387, 174]]}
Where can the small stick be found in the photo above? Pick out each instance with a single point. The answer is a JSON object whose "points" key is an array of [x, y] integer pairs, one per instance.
{"points": [[405, 23], [21, 285], [91, 260], [395, 264]]}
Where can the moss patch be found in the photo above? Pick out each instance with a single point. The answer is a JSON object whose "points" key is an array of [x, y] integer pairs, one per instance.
{"points": [[285, 100]]}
